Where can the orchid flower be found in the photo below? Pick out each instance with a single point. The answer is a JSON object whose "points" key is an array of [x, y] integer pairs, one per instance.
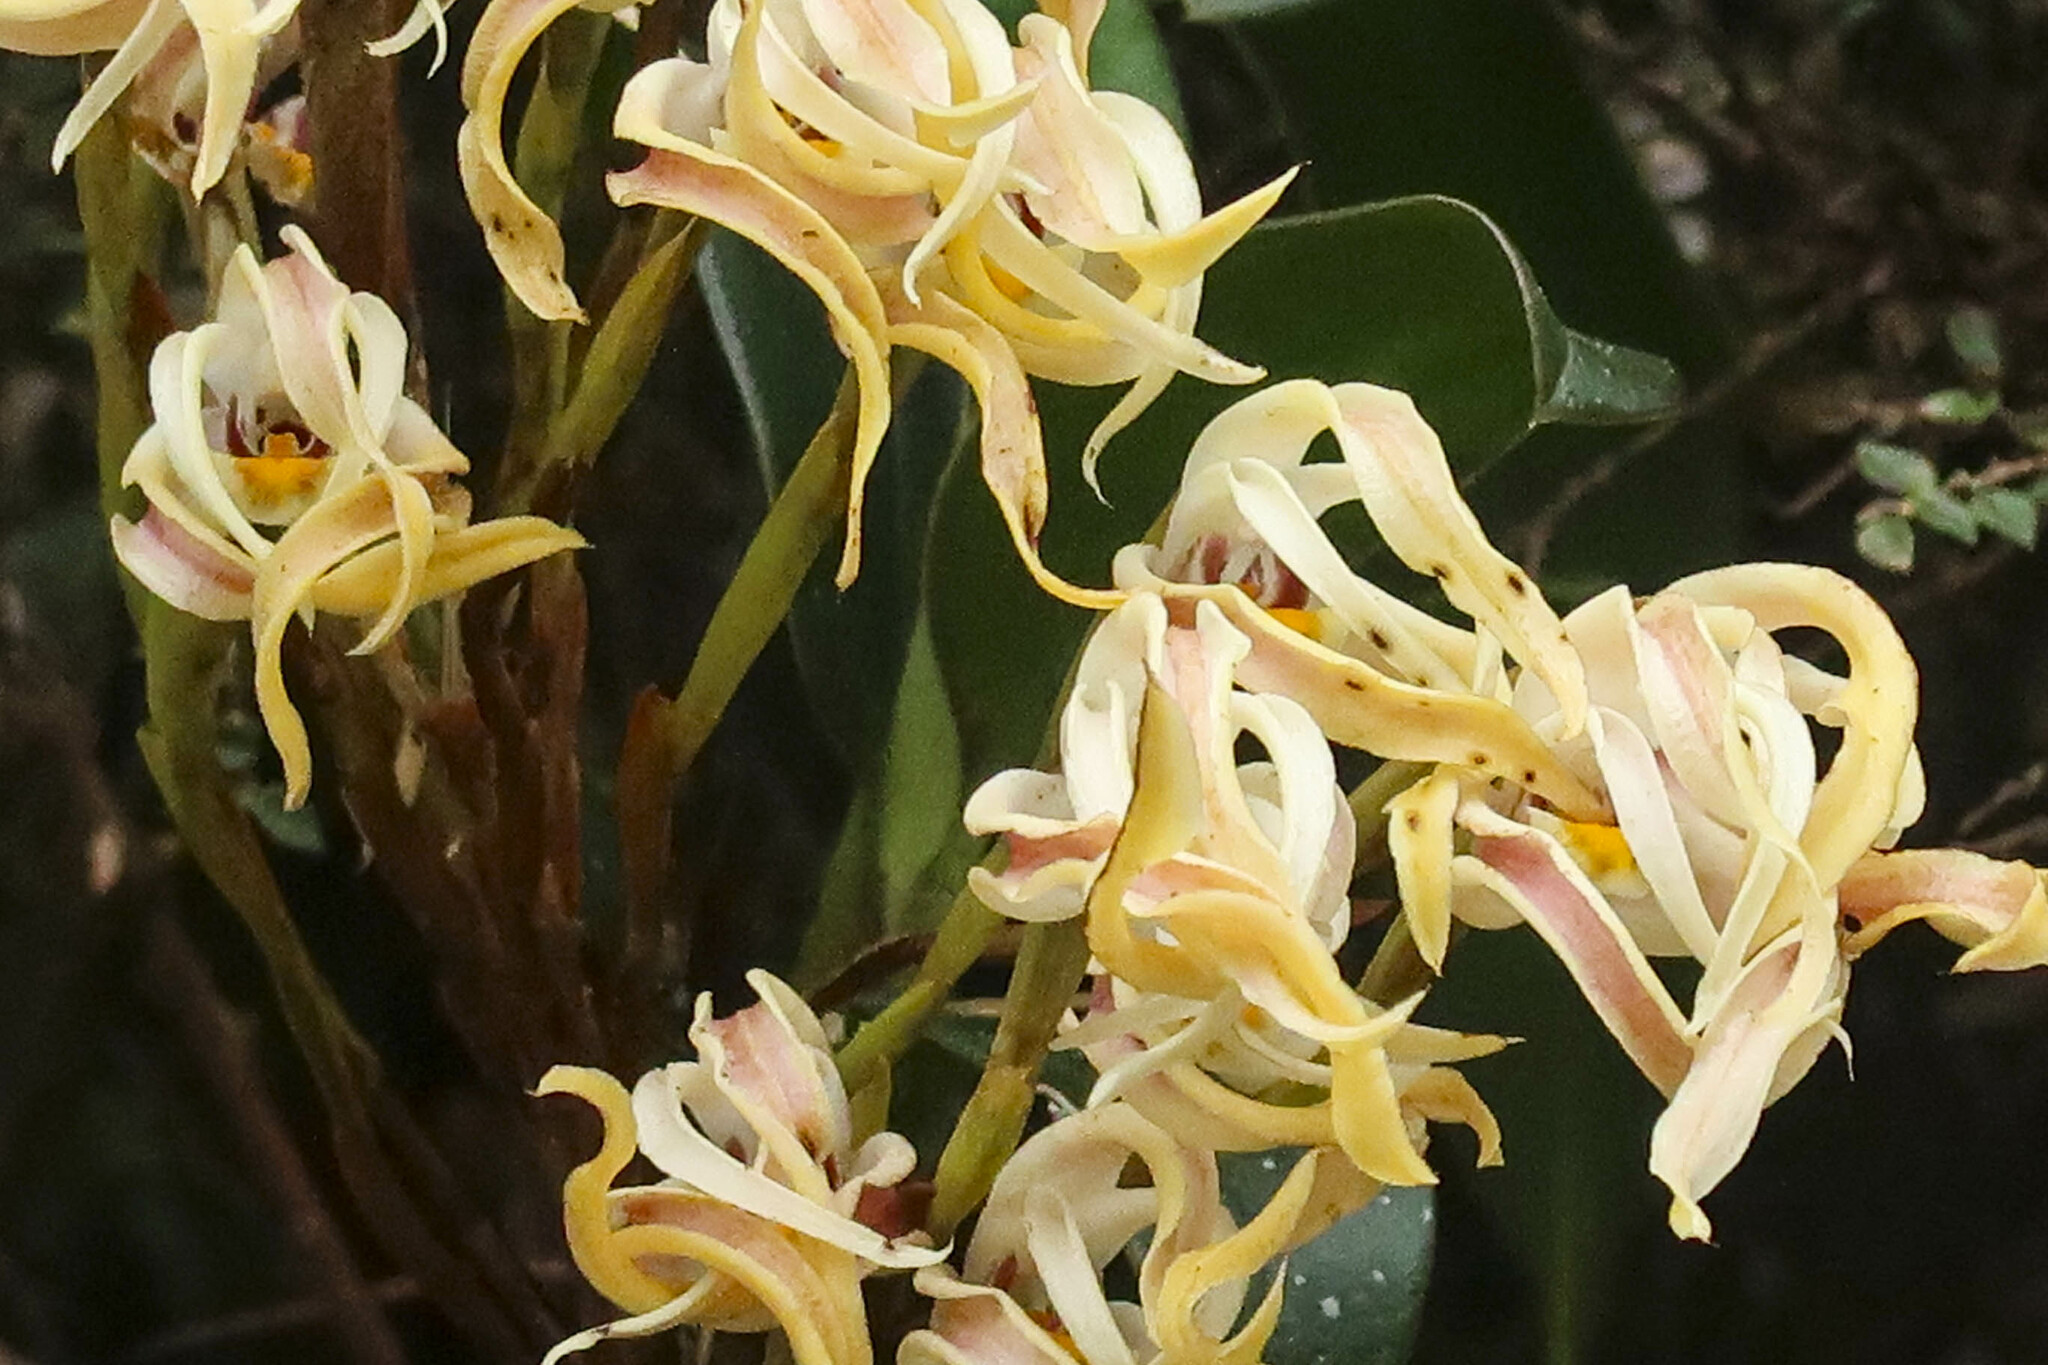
{"points": [[1729, 843], [231, 36], [933, 186], [768, 1216], [1063, 1208], [287, 474], [1214, 891], [167, 111], [1376, 673]]}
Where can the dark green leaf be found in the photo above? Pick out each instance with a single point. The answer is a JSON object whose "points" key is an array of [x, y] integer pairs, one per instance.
{"points": [[1354, 1294], [1602, 383], [850, 646], [1959, 407], [1895, 469], [2008, 513], [1940, 510], [1887, 542]]}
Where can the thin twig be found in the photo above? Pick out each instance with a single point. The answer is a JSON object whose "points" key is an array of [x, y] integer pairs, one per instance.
{"points": [[209, 1335]]}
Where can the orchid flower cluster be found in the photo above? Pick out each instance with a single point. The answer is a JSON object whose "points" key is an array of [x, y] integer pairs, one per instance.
{"points": [[1635, 779]]}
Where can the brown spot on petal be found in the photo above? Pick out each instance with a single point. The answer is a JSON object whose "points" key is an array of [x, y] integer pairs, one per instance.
{"points": [[1517, 584], [1379, 640]]}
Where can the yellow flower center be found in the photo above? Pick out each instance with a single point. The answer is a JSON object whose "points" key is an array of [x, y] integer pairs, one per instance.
{"points": [[1599, 849], [1300, 620], [283, 469]]}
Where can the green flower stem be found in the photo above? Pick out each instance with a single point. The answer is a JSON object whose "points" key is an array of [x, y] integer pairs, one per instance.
{"points": [[964, 935], [183, 657], [1397, 970], [803, 517], [544, 159], [1050, 965], [121, 207], [1369, 798]]}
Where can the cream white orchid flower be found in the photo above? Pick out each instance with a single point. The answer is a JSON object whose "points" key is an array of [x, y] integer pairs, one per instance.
{"points": [[1376, 673], [768, 1216], [1063, 1208], [232, 37], [1214, 891], [1730, 843], [287, 474], [933, 186]]}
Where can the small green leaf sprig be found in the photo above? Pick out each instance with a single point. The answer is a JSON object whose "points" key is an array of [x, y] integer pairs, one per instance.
{"points": [[2004, 498]]}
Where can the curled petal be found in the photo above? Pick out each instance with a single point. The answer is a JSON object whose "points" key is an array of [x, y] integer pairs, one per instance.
{"points": [[460, 560], [1998, 911], [1012, 447], [522, 239], [1360, 707], [334, 529], [1419, 838], [697, 180], [1533, 873], [676, 1145], [181, 569], [1853, 805], [1763, 1025]]}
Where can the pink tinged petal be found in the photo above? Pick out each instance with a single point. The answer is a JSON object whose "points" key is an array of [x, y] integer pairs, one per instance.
{"points": [[182, 570], [975, 1325], [523, 240], [872, 205], [305, 312], [811, 1292], [1714, 1113], [1535, 875], [882, 43], [1419, 838], [776, 1054], [1092, 194], [1407, 487], [1687, 691], [1012, 450], [148, 29], [700, 181], [1853, 805], [1996, 910], [148, 469], [679, 1149]]}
